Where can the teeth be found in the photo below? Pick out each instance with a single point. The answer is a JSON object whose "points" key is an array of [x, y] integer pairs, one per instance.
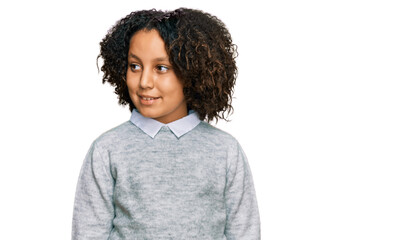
{"points": [[147, 99]]}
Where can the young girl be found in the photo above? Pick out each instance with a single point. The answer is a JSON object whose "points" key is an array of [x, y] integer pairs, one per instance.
{"points": [[167, 173]]}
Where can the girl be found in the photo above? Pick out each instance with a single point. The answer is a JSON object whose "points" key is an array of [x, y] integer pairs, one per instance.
{"points": [[167, 173]]}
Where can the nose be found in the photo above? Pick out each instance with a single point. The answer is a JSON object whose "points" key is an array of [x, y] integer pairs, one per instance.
{"points": [[147, 79]]}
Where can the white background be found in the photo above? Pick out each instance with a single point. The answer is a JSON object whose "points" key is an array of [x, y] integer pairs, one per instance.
{"points": [[324, 109]]}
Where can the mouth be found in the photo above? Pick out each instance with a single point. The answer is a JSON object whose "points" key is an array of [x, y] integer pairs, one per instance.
{"points": [[147, 100]]}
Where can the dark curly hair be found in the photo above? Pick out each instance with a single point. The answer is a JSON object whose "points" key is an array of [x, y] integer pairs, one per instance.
{"points": [[200, 49]]}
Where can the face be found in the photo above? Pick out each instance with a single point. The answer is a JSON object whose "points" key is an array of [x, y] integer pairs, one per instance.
{"points": [[153, 86]]}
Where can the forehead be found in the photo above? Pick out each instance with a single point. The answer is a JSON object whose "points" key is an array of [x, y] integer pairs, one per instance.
{"points": [[147, 44]]}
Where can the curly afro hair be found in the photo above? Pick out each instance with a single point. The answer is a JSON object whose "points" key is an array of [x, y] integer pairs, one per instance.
{"points": [[200, 50]]}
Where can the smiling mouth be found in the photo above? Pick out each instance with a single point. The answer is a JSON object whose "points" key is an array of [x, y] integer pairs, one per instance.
{"points": [[148, 101], [149, 98]]}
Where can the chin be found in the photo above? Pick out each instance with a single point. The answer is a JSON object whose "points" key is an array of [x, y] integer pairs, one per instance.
{"points": [[147, 113]]}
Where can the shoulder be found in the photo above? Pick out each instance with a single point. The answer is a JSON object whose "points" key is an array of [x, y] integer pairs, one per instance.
{"points": [[221, 142], [116, 134], [209, 133]]}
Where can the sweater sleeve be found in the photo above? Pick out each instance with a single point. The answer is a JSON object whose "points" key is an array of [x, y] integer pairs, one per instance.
{"points": [[242, 222], [93, 209]]}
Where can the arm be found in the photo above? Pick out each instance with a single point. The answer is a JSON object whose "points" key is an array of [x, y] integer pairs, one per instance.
{"points": [[93, 210], [242, 210]]}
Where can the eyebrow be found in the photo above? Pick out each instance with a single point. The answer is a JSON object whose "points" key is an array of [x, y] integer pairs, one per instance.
{"points": [[159, 59]]}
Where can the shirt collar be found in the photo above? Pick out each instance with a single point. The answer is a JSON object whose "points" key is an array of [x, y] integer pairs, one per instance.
{"points": [[179, 127]]}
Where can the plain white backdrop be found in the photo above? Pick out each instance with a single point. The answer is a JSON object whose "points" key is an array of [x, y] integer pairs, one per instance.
{"points": [[324, 109]]}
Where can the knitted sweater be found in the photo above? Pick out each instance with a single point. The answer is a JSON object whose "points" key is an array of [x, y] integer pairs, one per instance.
{"points": [[195, 186]]}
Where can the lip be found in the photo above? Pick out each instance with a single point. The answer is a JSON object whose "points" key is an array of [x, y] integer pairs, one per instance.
{"points": [[147, 99], [146, 96]]}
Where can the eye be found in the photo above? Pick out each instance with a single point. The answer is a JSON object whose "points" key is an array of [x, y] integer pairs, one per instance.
{"points": [[162, 68], [135, 67]]}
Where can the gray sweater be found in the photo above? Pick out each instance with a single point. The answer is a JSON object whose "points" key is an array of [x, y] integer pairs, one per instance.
{"points": [[184, 181]]}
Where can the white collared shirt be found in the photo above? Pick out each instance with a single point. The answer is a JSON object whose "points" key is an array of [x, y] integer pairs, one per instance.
{"points": [[151, 126]]}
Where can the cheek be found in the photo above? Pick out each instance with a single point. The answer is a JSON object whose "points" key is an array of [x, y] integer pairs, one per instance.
{"points": [[177, 90], [131, 84], [171, 86]]}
